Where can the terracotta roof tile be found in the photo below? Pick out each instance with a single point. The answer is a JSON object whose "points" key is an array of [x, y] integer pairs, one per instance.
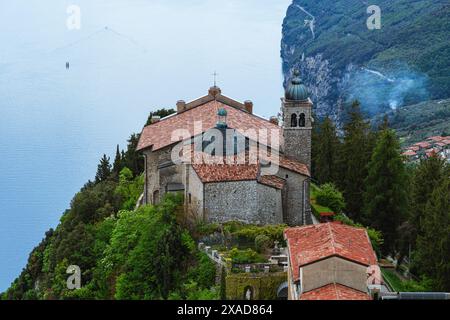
{"points": [[335, 291], [409, 153], [159, 135], [272, 181], [423, 145], [313, 243]]}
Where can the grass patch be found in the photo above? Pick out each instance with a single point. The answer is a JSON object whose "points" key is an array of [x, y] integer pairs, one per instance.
{"points": [[317, 209], [398, 284]]}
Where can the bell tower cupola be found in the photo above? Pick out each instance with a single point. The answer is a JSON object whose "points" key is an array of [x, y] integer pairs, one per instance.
{"points": [[297, 120]]}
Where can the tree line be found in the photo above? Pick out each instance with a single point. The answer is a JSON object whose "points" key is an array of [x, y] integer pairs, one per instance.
{"points": [[408, 203]]}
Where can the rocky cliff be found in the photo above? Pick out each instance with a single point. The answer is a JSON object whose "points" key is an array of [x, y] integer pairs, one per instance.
{"points": [[405, 62]]}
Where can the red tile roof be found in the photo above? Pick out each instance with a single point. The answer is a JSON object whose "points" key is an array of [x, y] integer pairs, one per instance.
{"points": [[159, 135], [335, 291], [217, 169], [272, 181], [317, 242], [409, 153], [414, 148], [226, 172], [423, 145], [436, 138]]}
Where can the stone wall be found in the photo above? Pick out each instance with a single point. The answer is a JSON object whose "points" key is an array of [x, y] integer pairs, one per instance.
{"points": [[246, 201], [270, 204], [263, 285], [297, 144], [157, 179], [194, 193], [294, 197]]}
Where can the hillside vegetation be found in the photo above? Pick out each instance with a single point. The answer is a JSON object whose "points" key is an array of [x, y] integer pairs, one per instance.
{"points": [[417, 122], [406, 62]]}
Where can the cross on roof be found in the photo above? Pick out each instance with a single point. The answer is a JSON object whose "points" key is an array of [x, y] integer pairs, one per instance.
{"points": [[215, 74]]}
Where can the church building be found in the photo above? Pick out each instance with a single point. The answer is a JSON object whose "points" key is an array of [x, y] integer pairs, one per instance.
{"points": [[231, 164]]}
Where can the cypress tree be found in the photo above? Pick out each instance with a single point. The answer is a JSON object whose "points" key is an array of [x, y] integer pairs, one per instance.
{"points": [[133, 159], [103, 169], [327, 147], [223, 284], [117, 165], [386, 195], [354, 156]]}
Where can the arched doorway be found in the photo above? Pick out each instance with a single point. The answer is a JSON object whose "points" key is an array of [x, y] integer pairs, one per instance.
{"points": [[282, 292]]}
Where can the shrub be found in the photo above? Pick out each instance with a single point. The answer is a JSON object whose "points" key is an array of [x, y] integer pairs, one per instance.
{"points": [[262, 243], [245, 256], [329, 196]]}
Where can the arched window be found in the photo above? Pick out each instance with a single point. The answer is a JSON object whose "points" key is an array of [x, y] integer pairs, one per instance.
{"points": [[293, 120], [302, 120]]}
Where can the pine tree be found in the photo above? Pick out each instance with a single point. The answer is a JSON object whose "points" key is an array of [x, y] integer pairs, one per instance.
{"points": [[223, 284], [426, 178], [354, 156], [432, 256], [117, 165], [386, 195], [103, 169], [133, 159], [326, 152]]}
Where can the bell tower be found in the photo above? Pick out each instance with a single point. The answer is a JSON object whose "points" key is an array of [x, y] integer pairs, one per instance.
{"points": [[297, 121]]}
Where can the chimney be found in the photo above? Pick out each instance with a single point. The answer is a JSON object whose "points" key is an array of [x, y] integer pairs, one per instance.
{"points": [[155, 119], [181, 106], [274, 120], [214, 91], [248, 106]]}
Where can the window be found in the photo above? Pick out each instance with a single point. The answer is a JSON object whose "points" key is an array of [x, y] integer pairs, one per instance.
{"points": [[293, 120], [302, 120], [190, 198]]}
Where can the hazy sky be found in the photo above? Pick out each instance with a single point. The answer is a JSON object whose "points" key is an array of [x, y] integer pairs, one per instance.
{"points": [[55, 123]]}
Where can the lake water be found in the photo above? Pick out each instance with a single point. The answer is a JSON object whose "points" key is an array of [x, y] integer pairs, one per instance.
{"points": [[55, 124]]}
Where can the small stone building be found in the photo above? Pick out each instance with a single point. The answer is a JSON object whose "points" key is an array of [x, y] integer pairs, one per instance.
{"points": [[270, 182], [330, 261]]}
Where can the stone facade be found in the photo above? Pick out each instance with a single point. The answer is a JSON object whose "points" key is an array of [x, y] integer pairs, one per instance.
{"points": [[295, 197], [246, 201], [251, 201], [297, 130]]}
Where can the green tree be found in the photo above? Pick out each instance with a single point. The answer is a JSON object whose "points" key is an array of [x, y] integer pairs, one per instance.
{"points": [[427, 176], [129, 188], [386, 195], [326, 152], [133, 159], [432, 256], [103, 170], [354, 156], [117, 165], [329, 196], [160, 113]]}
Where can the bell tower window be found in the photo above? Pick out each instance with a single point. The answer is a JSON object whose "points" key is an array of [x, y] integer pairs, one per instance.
{"points": [[302, 120], [293, 120]]}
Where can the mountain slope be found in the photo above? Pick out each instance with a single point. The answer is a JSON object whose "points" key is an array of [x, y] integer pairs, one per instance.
{"points": [[417, 122], [406, 62]]}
